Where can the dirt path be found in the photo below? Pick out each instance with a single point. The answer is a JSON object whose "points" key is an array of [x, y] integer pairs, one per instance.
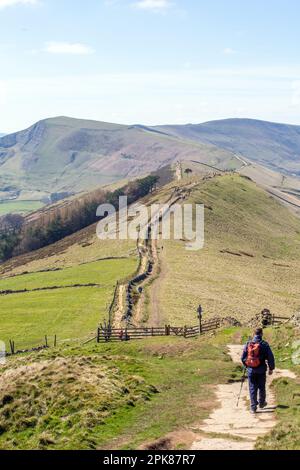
{"points": [[156, 315], [154, 254], [239, 427], [178, 171], [119, 312]]}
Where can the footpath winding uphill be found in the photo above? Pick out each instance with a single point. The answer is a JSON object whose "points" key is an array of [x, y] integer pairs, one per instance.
{"points": [[233, 428], [128, 306]]}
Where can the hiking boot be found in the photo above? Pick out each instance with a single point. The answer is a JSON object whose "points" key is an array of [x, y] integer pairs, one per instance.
{"points": [[263, 405], [253, 412]]}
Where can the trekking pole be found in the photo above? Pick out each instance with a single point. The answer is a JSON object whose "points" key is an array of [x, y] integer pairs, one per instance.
{"points": [[242, 384]]}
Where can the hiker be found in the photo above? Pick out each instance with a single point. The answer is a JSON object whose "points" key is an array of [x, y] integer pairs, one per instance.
{"points": [[266, 318], [257, 354]]}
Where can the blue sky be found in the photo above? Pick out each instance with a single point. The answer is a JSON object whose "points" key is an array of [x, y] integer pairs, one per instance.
{"points": [[149, 61]]}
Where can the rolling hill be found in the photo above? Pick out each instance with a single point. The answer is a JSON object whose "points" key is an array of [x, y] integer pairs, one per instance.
{"points": [[124, 395], [274, 145], [59, 157], [62, 156], [250, 259]]}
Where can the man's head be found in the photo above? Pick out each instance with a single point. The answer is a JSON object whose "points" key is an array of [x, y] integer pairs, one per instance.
{"points": [[258, 332]]}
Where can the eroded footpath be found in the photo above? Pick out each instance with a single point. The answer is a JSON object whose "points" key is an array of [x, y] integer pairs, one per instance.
{"points": [[234, 428]]}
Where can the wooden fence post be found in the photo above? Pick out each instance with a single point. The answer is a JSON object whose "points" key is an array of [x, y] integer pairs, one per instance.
{"points": [[46, 341], [55, 341], [98, 334], [12, 346], [106, 332]]}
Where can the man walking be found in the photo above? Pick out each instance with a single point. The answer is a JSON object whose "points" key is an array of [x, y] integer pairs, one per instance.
{"points": [[257, 354]]}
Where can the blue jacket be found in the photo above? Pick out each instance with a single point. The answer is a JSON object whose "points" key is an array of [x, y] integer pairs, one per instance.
{"points": [[266, 356]]}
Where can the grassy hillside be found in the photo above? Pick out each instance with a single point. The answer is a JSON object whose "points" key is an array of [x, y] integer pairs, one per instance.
{"points": [[70, 155], [250, 260], [69, 312], [274, 145], [153, 393], [127, 395], [110, 396], [81, 247]]}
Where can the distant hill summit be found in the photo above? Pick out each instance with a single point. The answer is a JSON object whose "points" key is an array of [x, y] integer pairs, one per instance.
{"points": [[63, 156], [274, 145], [72, 155]]}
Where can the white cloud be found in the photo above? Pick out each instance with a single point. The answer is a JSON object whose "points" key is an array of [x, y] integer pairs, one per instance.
{"points": [[153, 5], [10, 3], [68, 48], [229, 51]]}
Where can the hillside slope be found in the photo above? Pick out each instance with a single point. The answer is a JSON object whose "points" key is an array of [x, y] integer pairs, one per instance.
{"points": [[274, 145], [63, 155], [250, 259], [126, 395]]}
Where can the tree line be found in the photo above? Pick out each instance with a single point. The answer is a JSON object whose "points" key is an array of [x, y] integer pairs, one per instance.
{"points": [[19, 235]]}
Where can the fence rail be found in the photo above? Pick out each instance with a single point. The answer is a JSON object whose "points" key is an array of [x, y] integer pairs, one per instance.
{"points": [[107, 334], [14, 349], [279, 320]]}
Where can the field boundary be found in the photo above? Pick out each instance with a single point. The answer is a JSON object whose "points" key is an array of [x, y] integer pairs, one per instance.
{"points": [[105, 333]]}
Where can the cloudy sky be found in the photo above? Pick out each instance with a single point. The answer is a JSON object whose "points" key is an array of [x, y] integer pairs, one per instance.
{"points": [[149, 61]]}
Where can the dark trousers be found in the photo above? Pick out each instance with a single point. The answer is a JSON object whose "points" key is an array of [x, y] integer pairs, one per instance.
{"points": [[257, 383]]}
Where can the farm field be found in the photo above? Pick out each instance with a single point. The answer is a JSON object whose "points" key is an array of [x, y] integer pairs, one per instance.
{"points": [[81, 247], [69, 312], [19, 207]]}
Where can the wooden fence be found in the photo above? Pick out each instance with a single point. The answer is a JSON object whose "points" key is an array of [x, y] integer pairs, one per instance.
{"points": [[13, 349], [107, 334], [279, 320]]}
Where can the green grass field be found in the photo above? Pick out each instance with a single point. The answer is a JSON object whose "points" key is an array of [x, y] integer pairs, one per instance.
{"points": [[71, 312], [19, 207]]}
